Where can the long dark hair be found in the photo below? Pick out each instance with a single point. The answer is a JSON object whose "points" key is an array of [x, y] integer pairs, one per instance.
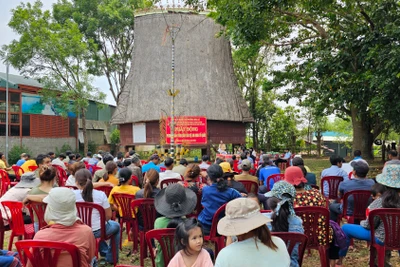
{"points": [[264, 235], [279, 222], [110, 167], [391, 198], [182, 234], [151, 177], [215, 173], [84, 178]]}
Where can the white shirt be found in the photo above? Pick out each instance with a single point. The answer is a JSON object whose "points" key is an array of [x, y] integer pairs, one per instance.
{"points": [[99, 197], [168, 174], [71, 181], [60, 163], [245, 253]]}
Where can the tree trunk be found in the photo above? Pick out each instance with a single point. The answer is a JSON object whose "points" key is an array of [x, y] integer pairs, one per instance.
{"points": [[319, 138], [255, 136], [363, 137], [268, 147], [85, 141]]}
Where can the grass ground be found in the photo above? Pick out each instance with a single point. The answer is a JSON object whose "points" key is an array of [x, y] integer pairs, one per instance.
{"points": [[359, 256]]}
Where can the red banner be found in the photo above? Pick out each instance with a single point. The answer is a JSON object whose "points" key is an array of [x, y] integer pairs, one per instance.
{"points": [[189, 130]]}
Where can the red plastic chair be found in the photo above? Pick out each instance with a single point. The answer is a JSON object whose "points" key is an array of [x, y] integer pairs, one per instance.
{"points": [[276, 178], [135, 180], [95, 168], [142, 162], [105, 189], [198, 208], [128, 217], [46, 253], [148, 215], [85, 211], [61, 174], [251, 186], [18, 172], [219, 241], [32, 168], [71, 187], [291, 240], [38, 208], [390, 219], [3, 229], [5, 180], [16, 222], [165, 237], [333, 185], [163, 169], [167, 182], [361, 199], [311, 217]]}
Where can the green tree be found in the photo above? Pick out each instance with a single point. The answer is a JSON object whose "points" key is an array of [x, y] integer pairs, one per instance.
{"points": [[343, 56], [110, 25], [57, 54], [250, 65]]}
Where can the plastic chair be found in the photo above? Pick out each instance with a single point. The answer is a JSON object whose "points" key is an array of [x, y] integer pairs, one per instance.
{"points": [[95, 168], [105, 189], [3, 229], [148, 213], [5, 182], [165, 237], [198, 208], [18, 172], [61, 174], [291, 240], [167, 182], [276, 178], [85, 211], [311, 217], [163, 169], [219, 241], [135, 180], [46, 253], [361, 199], [16, 222], [32, 168], [128, 217], [333, 185], [251, 186], [72, 187], [390, 219], [38, 208]]}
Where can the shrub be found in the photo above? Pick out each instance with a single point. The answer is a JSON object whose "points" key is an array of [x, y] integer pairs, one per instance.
{"points": [[63, 149], [15, 153]]}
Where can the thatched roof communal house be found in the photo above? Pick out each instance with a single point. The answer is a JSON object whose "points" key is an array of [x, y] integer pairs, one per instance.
{"points": [[204, 75]]}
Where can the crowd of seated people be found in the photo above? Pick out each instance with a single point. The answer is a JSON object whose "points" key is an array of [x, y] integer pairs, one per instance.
{"points": [[249, 233]]}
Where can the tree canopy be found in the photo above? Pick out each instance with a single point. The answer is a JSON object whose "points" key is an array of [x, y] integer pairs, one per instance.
{"points": [[342, 57]]}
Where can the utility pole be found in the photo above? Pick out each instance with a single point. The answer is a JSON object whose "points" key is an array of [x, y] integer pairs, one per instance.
{"points": [[7, 116]]}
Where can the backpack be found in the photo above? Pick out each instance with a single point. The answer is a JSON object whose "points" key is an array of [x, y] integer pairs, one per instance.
{"points": [[339, 237]]}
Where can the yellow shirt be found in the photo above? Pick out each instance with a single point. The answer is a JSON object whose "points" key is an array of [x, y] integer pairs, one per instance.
{"points": [[28, 164], [122, 189], [3, 166], [111, 179]]}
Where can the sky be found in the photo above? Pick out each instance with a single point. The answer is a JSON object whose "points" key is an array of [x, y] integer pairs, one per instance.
{"points": [[7, 35]]}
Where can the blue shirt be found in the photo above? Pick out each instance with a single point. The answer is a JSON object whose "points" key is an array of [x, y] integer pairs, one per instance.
{"points": [[267, 171], [20, 162], [334, 170], [149, 166], [251, 159], [212, 199], [287, 155], [354, 184]]}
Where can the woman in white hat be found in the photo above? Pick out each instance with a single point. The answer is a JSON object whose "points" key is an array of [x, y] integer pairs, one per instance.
{"points": [[65, 226], [255, 246]]}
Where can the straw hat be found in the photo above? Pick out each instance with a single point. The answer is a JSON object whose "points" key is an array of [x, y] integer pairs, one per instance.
{"points": [[242, 216]]}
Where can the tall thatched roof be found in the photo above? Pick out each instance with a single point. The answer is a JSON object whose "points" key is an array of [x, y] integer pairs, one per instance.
{"points": [[203, 70]]}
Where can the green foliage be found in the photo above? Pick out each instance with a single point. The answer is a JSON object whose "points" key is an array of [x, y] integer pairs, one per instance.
{"points": [[92, 147], [115, 136], [58, 54], [15, 153], [343, 56], [63, 149]]}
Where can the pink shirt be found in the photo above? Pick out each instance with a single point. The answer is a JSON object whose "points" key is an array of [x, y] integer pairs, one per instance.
{"points": [[78, 234], [203, 260]]}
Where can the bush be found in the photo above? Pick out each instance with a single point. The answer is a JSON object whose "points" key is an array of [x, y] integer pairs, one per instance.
{"points": [[63, 149], [15, 153], [115, 136]]}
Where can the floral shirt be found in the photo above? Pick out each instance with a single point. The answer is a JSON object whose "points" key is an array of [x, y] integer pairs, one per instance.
{"points": [[314, 198]]}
